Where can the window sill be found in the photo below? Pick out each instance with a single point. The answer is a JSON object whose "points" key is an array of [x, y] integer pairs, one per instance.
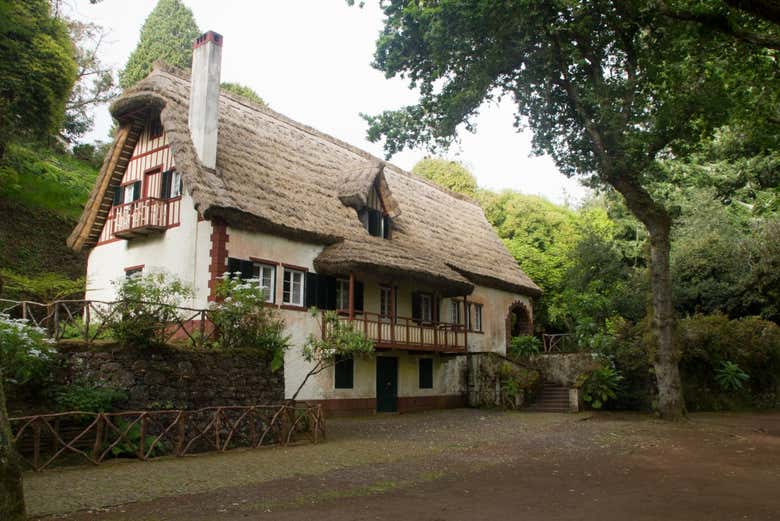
{"points": [[292, 307]]}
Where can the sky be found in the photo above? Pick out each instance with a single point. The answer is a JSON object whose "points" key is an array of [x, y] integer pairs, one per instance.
{"points": [[311, 60]]}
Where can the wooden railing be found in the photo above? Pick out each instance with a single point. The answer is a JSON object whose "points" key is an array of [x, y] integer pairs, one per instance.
{"points": [[76, 437], [409, 333], [144, 214], [87, 320]]}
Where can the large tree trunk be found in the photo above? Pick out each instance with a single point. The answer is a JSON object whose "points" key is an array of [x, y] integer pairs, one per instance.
{"points": [[667, 373], [11, 491], [666, 357]]}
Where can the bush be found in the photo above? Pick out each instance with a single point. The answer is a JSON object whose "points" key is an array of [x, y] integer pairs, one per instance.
{"points": [[147, 307], [87, 397], [243, 320], [521, 347], [708, 342], [26, 353], [601, 385]]}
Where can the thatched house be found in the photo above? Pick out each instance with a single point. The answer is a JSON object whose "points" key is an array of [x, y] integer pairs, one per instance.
{"points": [[198, 182]]}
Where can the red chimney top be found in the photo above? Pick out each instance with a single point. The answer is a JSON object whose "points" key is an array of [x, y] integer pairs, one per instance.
{"points": [[208, 36]]}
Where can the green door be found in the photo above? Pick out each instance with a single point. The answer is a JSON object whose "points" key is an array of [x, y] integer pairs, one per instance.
{"points": [[386, 384]]}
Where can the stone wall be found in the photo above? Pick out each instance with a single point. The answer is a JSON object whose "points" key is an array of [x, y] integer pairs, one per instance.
{"points": [[496, 381], [164, 378], [564, 368]]}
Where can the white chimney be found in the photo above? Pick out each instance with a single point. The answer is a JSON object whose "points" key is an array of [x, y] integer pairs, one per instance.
{"points": [[204, 96]]}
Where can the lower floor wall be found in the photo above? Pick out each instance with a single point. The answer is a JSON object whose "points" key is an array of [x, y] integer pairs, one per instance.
{"points": [[368, 406]]}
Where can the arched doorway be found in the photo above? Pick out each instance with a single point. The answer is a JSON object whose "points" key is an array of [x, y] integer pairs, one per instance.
{"points": [[519, 321]]}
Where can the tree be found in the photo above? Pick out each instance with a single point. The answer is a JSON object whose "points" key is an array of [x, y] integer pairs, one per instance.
{"points": [[11, 491], [37, 70], [339, 339], [244, 91], [167, 35], [609, 88], [94, 84], [449, 174]]}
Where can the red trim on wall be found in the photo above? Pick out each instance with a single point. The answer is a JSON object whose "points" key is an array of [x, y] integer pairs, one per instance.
{"points": [[264, 261], [291, 307], [149, 152], [218, 255], [366, 406], [138, 267], [294, 267]]}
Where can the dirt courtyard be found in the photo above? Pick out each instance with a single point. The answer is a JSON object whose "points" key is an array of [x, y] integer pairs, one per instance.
{"points": [[451, 465]]}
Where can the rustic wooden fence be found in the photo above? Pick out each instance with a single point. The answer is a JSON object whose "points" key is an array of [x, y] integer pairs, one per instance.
{"points": [[559, 343], [68, 438], [87, 320]]}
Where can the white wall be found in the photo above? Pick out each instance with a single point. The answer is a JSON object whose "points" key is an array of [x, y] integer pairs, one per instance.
{"points": [[182, 251]]}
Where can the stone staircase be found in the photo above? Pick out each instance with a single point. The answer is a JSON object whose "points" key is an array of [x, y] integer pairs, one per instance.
{"points": [[552, 398]]}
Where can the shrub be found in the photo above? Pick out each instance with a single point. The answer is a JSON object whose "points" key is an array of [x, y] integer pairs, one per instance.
{"points": [[26, 353], [87, 397], [601, 385], [243, 320], [128, 448], [730, 377], [147, 306], [524, 346]]}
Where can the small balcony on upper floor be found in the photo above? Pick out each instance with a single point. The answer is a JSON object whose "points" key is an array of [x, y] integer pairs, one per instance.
{"points": [[140, 218]]}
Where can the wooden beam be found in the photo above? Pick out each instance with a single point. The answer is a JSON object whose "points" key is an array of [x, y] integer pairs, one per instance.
{"points": [[466, 322]]}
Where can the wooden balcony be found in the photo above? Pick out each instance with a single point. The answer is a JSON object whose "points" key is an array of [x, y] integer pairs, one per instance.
{"points": [[140, 218], [409, 334]]}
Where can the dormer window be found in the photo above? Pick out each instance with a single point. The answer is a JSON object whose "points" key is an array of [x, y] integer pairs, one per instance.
{"points": [[376, 220]]}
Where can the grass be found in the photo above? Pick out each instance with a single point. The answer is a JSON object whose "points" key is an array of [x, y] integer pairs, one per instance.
{"points": [[39, 177]]}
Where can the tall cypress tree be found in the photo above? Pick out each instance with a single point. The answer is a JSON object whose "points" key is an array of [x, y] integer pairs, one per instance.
{"points": [[167, 35]]}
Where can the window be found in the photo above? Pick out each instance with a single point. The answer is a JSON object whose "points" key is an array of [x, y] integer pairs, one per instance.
{"points": [[477, 317], [454, 311], [266, 279], [132, 192], [385, 306], [175, 184], [342, 294], [155, 128], [426, 307], [135, 270], [426, 373], [377, 222], [292, 293], [344, 371]]}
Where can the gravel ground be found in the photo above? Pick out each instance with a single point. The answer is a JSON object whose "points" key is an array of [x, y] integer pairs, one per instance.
{"points": [[457, 464]]}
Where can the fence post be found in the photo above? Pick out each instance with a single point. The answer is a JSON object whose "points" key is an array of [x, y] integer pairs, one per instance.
{"points": [[98, 446], [24, 310], [181, 430], [56, 325], [36, 444], [142, 439], [202, 328], [86, 321], [217, 427]]}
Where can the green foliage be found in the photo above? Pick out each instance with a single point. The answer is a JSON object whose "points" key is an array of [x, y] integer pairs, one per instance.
{"points": [[86, 396], [517, 384], [37, 70], [601, 385], [449, 174], [167, 35], [750, 343], [26, 353], [147, 305], [43, 288], [243, 320], [129, 448], [244, 91], [41, 177], [730, 377], [521, 347]]}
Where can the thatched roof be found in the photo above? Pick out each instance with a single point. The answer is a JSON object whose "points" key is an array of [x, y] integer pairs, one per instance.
{"points": [[276, 175]]}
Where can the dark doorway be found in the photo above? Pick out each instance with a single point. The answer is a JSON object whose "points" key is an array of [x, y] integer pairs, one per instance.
{"points": [[386, 384]]}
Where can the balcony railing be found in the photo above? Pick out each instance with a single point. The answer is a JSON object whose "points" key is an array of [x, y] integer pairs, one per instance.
{"points": [[409, 334], [141, 217]]}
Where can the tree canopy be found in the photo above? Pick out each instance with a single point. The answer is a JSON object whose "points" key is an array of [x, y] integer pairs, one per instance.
{"points": [[243, 90], [167, 35], [37, 70], [609, 88], [449, 174]]}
